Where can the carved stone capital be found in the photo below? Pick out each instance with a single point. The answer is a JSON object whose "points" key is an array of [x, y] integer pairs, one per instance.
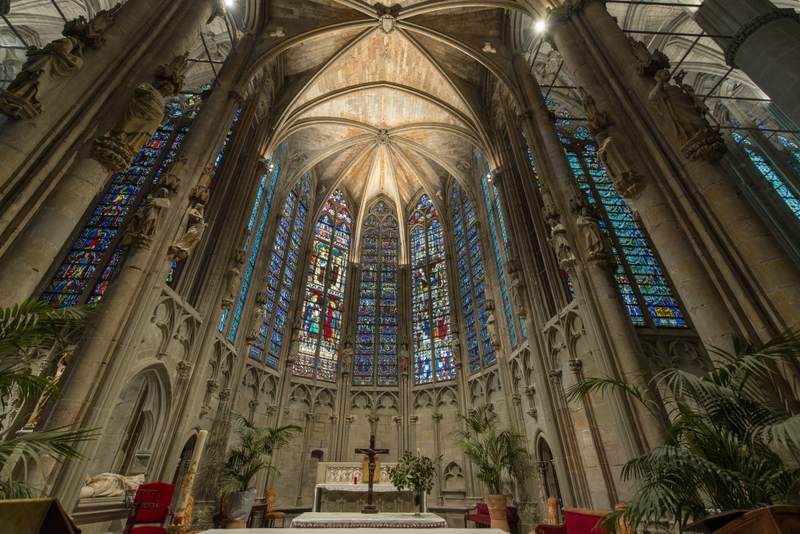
{"points": [[576, 366], [225, 394], [212, 385], [413, 419], [530, 391], [183, 369], [555, 376], [533, 413], [437, 416]]}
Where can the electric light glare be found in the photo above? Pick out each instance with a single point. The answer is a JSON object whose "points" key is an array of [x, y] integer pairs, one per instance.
{"points": [[540, 26]]}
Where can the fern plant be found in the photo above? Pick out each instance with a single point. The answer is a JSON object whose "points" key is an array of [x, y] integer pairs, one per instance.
{"points": [[498, 455], [732, 440], [27, 331], [254, 453]]}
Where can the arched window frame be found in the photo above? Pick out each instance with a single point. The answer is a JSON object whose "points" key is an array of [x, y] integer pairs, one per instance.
{"points": [[472, 278], [498, 235], [281, 274], [98, 252], [254, 237], [646, 292], [437, 365], [317, 357], [375, 361]]}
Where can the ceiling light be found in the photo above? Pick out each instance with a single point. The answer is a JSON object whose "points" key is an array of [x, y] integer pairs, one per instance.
{"points": [[230, 3], [540, 26]]}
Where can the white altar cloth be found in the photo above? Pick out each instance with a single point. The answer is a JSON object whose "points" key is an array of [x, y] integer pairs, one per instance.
{"points": [[355, 488], [352, 520]]}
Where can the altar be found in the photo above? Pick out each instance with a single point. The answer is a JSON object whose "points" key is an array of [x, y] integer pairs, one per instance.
{"points": [[336, 492], [382, 520]]}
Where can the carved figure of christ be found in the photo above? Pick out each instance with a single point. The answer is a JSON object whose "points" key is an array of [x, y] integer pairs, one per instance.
{"points": [[371, 453]]}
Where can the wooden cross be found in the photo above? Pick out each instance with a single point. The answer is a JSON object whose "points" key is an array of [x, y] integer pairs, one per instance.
{"points": [[371, 453]]}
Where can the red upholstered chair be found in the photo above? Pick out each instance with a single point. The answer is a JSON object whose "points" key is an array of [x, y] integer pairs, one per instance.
{"points": [[150, 509], [576, 521]]}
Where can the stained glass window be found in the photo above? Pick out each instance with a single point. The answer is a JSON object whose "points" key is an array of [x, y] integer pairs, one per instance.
{"points": [[96, 255], [472, 280], [500, 247], [763, 165], [256, 225], [645, 290], [430, 303], [280, 276], [323, 303], [376, 328]]}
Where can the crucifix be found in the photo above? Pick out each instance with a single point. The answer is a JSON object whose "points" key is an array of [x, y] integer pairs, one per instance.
{"points": [[371, 453]]}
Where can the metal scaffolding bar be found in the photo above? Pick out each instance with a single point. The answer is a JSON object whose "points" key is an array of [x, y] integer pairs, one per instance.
{"points": [[55, 5]]}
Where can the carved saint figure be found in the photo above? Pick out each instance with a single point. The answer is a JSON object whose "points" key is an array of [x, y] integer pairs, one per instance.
{"points": [[560, 243], [673, 103], [60, 58], [592, 236], [518, 292], [232, 279], [491, 322], [146, 220], [195, 227], [403, 358]]}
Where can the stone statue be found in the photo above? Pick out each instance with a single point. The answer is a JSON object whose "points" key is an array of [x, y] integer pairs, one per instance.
{"points": [[347, 356], [145, 221], [560, 243], [403, 358], [258, 319], [597, 119], [110, 485], [518, 291], [685, 113], [143, 115], [172, 179], [233, 277], [195, 227], [593, 238], [59, 59], [92, 33], [626, 181], [648, 63], [491, 322]]}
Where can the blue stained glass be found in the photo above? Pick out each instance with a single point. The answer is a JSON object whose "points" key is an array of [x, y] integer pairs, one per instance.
{"points": [[499, 239], [430, 303], [472, 282], [323, 302], [375, 358], [643, 287], [253, 244], [96, 255], [280, 276], [765, 168]]}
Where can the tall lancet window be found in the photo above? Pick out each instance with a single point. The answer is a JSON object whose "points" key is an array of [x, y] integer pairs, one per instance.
{"points": [[644, 288], [323, 304], [376, 328], [500, 248], [430, 308], [472, 283], [280, 278], [98, 252], [782, 188], [256, 225]]}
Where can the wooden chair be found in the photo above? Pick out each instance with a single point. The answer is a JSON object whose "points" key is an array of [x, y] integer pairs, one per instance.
{"points": [[270, 515]]}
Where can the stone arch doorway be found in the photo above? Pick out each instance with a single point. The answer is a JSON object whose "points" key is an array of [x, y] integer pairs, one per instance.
{"points": [[136, 422], [547, 474]]}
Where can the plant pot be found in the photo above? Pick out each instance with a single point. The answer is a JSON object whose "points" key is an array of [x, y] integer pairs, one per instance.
{"points": [[239, 506], [497, 512]]}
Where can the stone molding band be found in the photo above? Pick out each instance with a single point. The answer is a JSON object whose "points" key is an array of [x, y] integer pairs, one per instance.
{"points": [[752, 27]]}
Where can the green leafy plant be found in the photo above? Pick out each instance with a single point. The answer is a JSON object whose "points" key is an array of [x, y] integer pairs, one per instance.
{"points": [[415, 472], [27, 331], [732, 439], [255, 451], [498, 455]]}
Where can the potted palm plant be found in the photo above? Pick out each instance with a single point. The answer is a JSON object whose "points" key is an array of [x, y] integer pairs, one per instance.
{"points": [[733, 438], [498, 455], [416, 473], [254, 453], [28, 332]]}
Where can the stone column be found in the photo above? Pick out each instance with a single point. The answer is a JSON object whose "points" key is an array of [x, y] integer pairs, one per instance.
{"points": [[763, 41], [28, 259], [104, 352], [619, 354], [733, 230], [628, 162]]}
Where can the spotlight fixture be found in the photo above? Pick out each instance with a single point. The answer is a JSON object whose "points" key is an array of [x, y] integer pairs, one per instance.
{"points": [[230, 3], [540, 26]]}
